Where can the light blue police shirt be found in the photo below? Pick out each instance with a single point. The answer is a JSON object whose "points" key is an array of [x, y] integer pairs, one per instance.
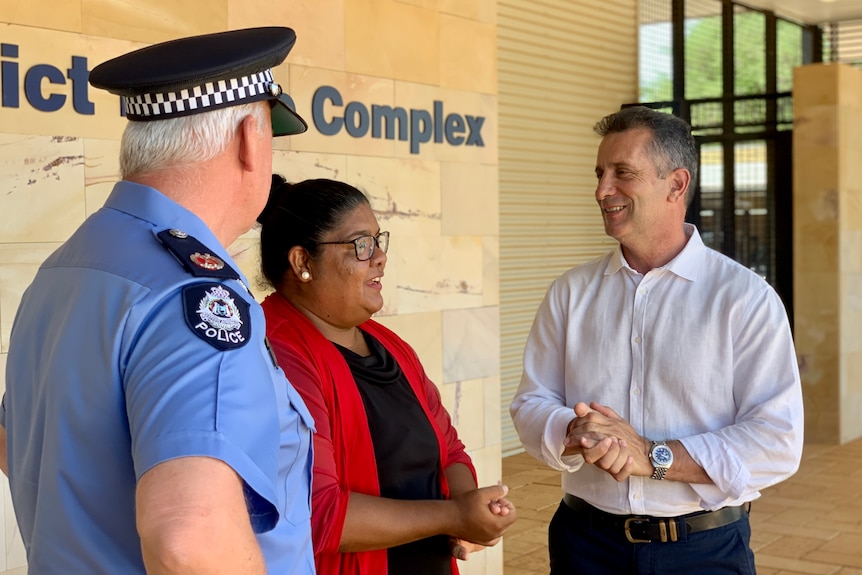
{"points": [[114, 366]]}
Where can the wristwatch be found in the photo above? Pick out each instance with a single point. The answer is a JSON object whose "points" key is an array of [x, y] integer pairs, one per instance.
{"points": [[661, 457]]}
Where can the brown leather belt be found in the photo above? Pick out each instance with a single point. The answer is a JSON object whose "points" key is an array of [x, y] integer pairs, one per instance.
{"points": [[646, 529]]}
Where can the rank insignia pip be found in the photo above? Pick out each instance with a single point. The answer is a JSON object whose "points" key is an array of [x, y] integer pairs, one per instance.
{"points": [[217, 315], [195, 257], [207, 261]]}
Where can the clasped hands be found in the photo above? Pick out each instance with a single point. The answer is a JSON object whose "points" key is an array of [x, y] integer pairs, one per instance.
{"points": [[488, 527], [606, 440]]}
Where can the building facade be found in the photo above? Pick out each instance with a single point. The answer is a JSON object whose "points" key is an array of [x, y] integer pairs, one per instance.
{"points": [[468, 123], [401, 98]]}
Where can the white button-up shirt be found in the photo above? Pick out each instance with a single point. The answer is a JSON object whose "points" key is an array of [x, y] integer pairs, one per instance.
{"points": [[698, 350]]}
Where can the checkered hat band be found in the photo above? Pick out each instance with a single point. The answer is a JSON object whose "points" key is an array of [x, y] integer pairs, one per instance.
{"points": [[208, 95]]}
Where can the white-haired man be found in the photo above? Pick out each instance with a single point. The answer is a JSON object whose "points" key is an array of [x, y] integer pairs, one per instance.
{"points": [[149, 429]]}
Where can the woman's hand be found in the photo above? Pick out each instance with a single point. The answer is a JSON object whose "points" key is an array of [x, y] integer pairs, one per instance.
{"points": [[484, 514], [462, 549]]}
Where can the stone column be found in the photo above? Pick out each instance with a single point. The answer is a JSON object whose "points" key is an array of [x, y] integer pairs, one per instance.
{"points": [[827, 248]]}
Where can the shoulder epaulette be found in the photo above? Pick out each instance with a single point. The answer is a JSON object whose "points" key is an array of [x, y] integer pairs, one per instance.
{"points": [[195, 257]]}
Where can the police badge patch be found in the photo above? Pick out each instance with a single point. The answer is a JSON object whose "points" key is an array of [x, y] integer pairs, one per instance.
{"points": [[217, 315]]}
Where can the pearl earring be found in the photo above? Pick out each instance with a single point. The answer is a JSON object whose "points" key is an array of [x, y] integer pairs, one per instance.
{"points": [[305, 275]]}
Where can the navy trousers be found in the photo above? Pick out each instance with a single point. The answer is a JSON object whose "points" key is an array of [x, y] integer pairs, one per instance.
{"points": [[578, 546]]}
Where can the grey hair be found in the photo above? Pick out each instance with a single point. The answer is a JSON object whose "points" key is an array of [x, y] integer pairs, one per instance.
{"points": [[161, 144], [672, 146]]}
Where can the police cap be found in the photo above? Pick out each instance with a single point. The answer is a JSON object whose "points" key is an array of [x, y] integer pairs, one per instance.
{"points": [[203, 73]]}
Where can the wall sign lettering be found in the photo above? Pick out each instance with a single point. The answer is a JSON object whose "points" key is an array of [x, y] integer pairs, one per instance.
{"points": [[40, 81], [417, 126], [44, 87]]}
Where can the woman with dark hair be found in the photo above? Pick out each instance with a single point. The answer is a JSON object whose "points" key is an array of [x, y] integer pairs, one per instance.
{"points": [[393, 489]]}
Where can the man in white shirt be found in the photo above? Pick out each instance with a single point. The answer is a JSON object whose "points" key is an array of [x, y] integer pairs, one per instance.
{"points": [[661, 379]]}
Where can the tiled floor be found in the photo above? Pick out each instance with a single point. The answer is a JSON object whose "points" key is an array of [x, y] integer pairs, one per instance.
{"points": [[810, 524]]}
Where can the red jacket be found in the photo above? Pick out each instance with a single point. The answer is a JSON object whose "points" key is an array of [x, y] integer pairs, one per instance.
{"points": [[343, 453]]}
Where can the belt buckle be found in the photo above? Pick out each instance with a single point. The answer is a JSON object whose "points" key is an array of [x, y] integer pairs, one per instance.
{"points": [[628, 531], [664, 525]]}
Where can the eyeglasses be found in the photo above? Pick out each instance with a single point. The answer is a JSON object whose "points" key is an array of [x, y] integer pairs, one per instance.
{"points": [[364, 245]]}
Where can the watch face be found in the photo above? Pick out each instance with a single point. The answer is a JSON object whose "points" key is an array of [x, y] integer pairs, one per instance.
{"points": [[662, 455]]}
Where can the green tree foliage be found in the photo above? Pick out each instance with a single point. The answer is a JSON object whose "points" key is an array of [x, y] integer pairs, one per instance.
{"points": [[703, 58]]}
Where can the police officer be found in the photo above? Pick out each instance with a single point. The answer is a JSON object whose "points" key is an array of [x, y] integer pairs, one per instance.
{"points": [[143, 408]]}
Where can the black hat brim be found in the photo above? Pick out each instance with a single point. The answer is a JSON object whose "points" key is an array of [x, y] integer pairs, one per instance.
{"points": [[285, 121]]}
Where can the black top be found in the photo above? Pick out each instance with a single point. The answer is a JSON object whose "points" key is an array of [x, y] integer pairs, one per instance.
{"points": [[406, 451]]}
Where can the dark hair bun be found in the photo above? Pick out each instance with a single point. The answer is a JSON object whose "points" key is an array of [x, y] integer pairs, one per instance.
{"points": [[278, 187]]}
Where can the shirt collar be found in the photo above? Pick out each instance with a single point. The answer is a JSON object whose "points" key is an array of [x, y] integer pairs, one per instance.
{"points": [[150, 205], [686, 264]]}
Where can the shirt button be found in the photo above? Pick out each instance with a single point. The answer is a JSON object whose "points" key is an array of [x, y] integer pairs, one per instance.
{"points": [[637, 340], [642, 291], [637, 392]]}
